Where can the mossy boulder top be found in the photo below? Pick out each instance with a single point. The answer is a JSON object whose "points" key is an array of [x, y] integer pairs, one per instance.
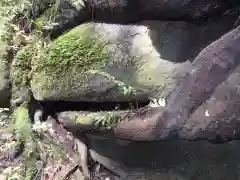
{"points": [[106, 62]]}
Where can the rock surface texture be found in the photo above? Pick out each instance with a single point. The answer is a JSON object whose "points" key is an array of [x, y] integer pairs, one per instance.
{"points": [[108, 62]]}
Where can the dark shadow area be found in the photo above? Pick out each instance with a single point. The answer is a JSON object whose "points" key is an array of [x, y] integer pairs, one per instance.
{"points": [[128, 12], [181, 42], [178, 160], [53, 107]]}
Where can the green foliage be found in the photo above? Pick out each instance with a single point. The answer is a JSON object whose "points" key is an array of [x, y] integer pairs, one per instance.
{"points": [[11, 35], [126, 89], [9, 8], [28, 8], [47, 20], [30, 173], [107, 122], [6, 34], [15, 16]]}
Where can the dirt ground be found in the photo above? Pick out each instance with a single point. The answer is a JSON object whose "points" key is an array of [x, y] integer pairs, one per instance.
{"points": [[178, 160]]}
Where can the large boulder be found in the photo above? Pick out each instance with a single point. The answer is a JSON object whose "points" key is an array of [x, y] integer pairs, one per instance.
{"points": [[108, 62]]}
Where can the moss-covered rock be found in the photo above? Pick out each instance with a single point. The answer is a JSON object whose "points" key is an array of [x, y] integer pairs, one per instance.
{"points": [[106, 62], [72, 61], [110, 62], [89, 64]]}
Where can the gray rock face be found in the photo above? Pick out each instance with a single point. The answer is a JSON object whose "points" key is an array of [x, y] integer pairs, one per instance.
{"points": [[146, 60]]}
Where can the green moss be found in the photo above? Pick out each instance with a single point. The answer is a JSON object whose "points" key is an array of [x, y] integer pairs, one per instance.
{"points": [[22, 126], [72, 60], [26, 138], [102, 120], [78, 48], [22, 65], [39, 22], [85, 120]]}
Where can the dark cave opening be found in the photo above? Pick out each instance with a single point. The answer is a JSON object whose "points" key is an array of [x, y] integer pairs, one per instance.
{"points": [[53, 107]]}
